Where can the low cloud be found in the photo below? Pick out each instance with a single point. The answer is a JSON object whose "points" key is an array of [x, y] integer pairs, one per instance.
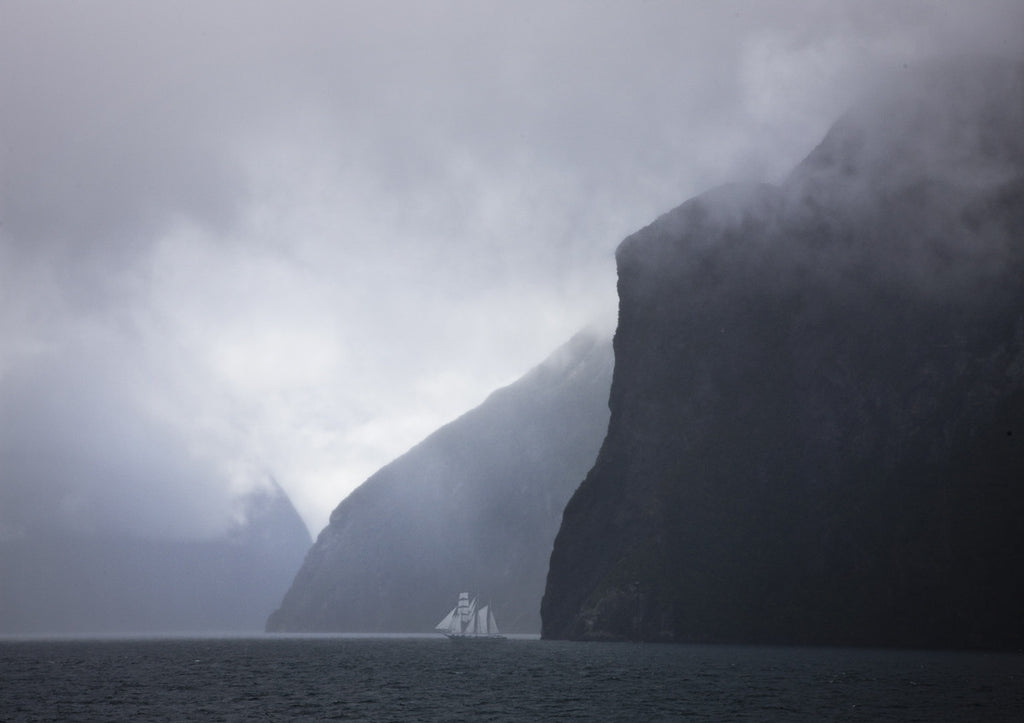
{"points": [[309, 235]]}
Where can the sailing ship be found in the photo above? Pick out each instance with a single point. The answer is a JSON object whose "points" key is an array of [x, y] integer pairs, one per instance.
{"points": [[468, 622]]}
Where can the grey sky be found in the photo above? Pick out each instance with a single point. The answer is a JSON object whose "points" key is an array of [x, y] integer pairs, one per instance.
{"points": [[248, 237]]}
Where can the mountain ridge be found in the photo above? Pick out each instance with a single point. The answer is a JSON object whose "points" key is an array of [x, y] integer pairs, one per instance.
{"points": [[474, 506]]}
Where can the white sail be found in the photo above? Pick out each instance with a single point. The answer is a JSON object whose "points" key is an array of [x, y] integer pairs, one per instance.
{"points": [[446, 624], [465, 611], [466, 621]]}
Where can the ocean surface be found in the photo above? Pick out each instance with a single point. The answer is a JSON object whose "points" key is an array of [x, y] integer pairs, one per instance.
{"points": [[432, 678]]}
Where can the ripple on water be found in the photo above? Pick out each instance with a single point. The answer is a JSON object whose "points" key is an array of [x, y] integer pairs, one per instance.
{"points": [[317, 678]]}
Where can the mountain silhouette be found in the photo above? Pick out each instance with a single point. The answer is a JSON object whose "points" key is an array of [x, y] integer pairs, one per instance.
{"points": [[817, 411], [473, 507]]}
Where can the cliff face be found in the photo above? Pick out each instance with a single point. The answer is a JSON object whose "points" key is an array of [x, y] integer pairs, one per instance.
{"points": [[475, 506], [817, 411], [61, 582]]}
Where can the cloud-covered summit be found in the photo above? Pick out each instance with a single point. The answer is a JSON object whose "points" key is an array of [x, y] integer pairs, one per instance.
{"points": [[306, 236]]}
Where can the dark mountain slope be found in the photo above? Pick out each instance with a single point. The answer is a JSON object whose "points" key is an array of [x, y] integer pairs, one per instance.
{"points": [[475, 506], [817, 430]]}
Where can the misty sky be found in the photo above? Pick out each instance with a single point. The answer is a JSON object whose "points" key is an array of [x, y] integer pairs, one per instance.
{"points": [[241, 239]]}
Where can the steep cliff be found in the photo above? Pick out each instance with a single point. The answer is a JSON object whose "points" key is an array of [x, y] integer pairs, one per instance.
{"points": [[475, 506], [817, 411]]}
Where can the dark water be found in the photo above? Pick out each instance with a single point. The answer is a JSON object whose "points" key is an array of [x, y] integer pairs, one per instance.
{"points": [[344, 678]]}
